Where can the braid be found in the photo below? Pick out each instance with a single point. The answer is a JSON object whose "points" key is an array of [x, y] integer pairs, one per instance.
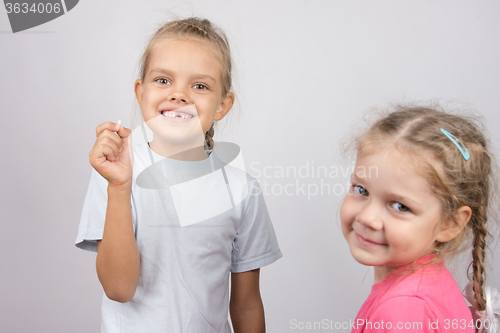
{"points": [[202, 30], [192, 26], [478, 253], [209, 141]]}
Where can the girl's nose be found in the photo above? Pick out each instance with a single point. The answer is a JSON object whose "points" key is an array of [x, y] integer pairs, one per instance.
{"points": [[179, 96], [371, 216]]}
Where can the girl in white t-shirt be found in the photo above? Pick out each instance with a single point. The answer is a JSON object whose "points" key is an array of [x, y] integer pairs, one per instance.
{"points": [[166, 232]]}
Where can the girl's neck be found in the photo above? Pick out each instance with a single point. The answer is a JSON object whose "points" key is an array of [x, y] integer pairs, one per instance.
{"points": [[381, 272], [185, 151]]}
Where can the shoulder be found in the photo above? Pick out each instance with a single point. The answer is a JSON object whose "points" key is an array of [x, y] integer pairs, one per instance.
{"points": [[403, 307], [244, 189], [430, 293], [427, 281], [434, 283], [407, 295]]}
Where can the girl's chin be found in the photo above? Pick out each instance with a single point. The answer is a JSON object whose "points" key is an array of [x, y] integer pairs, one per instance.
{"points": [[367, 259], [180, 140]]}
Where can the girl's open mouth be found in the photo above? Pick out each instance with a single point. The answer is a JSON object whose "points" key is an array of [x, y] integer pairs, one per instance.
{"points": [[177, 115]]}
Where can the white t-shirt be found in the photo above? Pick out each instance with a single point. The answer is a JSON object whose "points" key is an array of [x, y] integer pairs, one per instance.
{"points": [[210, 220]]}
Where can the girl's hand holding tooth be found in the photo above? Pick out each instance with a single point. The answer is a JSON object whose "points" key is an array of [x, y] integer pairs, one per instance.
{"points": [[111, 156]]}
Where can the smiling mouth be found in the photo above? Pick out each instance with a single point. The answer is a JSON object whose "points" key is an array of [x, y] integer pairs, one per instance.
{"points": [[365, 241], [177, 114]]}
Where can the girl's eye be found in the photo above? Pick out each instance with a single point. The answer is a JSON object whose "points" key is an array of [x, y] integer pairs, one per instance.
{"points": [[400, 207], [162, 80], [200, 86], [360, 190]]}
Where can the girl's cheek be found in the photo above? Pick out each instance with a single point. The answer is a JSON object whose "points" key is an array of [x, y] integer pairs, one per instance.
{"points": [[346, 213], [397, 237]]}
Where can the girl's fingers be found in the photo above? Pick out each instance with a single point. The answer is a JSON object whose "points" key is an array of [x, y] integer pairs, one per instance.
{"points": [[108, 136], [108, 151], [107, 125], [116, 132], [123, 132], [113, 127], [111, 143]]}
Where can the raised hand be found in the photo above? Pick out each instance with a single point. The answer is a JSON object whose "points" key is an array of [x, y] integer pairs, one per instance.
{"points": [[111, 155]]}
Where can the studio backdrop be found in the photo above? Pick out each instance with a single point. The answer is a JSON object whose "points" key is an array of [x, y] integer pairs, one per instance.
{"points": [[305, 74]]}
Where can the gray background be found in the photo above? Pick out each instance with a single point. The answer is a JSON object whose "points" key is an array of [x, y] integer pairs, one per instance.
{"points": [[306, 72]]}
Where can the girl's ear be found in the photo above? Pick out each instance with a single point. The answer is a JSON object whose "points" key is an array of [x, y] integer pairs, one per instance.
{"points": [[225, 106], [452, 229], [138, 91]]}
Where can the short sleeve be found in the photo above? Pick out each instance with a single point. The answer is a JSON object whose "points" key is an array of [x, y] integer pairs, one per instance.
{"points": [[402, 313], [94, 213], [255, 244]]}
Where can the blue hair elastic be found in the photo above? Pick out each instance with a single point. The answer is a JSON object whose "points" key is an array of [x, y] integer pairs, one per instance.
{"points": [[458, 143]]}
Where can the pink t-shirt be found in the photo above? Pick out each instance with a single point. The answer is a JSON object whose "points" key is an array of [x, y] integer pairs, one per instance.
{"points": [[428, 300]]}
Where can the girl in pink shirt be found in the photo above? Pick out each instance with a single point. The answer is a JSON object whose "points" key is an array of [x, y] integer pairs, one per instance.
{"points": [[421, 189]]}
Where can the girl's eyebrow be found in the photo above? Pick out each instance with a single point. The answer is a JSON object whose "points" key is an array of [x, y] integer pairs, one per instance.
{"points": [[161, 71], [355, 177], [203, 77]]}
